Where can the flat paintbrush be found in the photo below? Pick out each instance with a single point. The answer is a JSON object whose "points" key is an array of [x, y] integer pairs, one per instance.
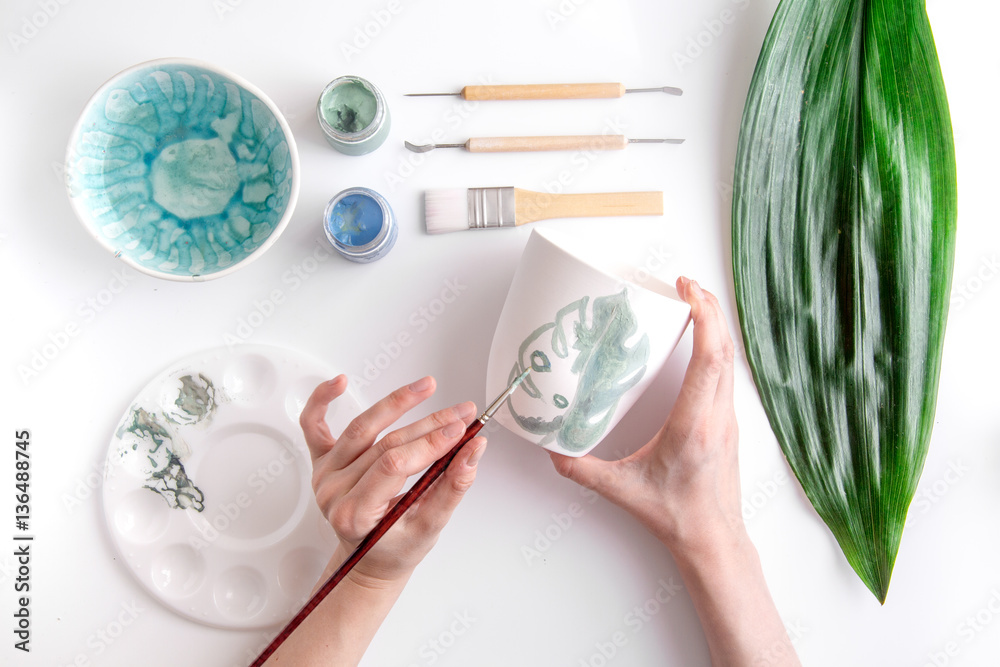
{"points": [[429, 477], [485, 208]]}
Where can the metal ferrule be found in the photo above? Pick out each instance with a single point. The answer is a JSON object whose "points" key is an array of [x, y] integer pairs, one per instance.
{"points": [[495, 405], [491, 207]]}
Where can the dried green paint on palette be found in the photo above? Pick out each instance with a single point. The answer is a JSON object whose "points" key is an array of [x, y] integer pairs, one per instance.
{"points": [[154, 447], [844, 214]]}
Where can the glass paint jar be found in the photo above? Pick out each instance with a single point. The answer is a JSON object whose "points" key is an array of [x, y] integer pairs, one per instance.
{"points": [[353, 115], [360, 224]]}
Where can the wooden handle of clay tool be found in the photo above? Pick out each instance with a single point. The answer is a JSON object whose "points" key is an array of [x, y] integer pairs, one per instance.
{"points": [[545, 91], [597, 142], [532, 206]]}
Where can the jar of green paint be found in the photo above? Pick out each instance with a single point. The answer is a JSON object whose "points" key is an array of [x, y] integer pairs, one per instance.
{"points": [[353, 115]]}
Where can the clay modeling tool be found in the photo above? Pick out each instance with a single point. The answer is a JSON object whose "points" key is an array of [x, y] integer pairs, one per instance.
{"points": [[397, 510], [596, 142], [550, 91], [485, 208]]}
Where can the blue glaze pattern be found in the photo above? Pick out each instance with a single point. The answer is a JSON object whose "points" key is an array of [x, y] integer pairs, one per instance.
{"points": [[181, 171], [356, 220]]}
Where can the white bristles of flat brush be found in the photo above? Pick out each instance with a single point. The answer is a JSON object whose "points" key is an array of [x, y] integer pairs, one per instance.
{"points": [[446, 210]]}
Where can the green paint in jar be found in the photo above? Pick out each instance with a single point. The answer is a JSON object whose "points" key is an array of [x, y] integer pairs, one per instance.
{"points": [[353, 115]]}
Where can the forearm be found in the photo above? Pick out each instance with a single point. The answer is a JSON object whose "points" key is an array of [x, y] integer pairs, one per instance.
{"points": [[729, 592], [337, 633]]}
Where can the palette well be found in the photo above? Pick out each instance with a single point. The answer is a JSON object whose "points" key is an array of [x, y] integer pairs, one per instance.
{"points": [[207, 491]]}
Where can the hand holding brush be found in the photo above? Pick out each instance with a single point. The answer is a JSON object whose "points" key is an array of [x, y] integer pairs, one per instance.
{"points": [[356, 480]]}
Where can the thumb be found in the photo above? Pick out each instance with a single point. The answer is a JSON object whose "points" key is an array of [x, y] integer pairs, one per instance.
{"points": [[588, 471]]}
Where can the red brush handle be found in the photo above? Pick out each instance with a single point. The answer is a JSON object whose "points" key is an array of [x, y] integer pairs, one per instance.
{"points": [[397, 510]]}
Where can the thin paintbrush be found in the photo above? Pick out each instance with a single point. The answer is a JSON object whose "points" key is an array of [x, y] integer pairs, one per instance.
{"points": [[397, 510], [485, 208], [550, 91], [596, 142]]}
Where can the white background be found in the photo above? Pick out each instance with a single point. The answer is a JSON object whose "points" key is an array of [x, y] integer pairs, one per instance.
{"points": [[553, 610]]}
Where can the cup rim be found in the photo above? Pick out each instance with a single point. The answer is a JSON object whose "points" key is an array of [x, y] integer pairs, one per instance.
{"points": [[600, 267]]}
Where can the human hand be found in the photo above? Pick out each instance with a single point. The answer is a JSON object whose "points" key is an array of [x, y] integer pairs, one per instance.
{"points": [[356, 479], [683, 484]]}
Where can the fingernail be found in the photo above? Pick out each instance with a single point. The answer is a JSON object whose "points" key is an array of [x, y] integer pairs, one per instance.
{"points": [[423, 384], [465, 410], [333, 381], [477, 454], [696, 288], [453, 430]]}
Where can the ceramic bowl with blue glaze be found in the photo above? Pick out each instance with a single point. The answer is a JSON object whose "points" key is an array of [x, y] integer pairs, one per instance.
{"points": [[182, 170]]}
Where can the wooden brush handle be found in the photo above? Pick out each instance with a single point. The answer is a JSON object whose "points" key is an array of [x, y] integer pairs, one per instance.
{"points": [[532, 206], [545, 91], [598, 142]]}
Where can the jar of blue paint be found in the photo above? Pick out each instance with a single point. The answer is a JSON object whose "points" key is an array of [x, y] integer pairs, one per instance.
{"points": [[360, 224]]}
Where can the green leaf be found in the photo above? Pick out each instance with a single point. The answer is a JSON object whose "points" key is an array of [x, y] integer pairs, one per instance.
{"points": [[844, 209]]}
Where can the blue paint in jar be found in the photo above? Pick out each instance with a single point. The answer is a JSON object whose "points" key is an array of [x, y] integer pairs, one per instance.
{"points": [[360, 224]]}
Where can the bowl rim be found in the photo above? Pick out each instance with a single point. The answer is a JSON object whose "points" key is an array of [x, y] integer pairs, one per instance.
{"points": [[236, 79]]}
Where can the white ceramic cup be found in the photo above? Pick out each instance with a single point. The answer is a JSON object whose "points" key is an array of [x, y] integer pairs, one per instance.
{"points": [[593, 339]]}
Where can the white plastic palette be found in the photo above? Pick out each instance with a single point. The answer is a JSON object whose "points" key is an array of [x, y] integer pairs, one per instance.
{"points": [[207, 490]]}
